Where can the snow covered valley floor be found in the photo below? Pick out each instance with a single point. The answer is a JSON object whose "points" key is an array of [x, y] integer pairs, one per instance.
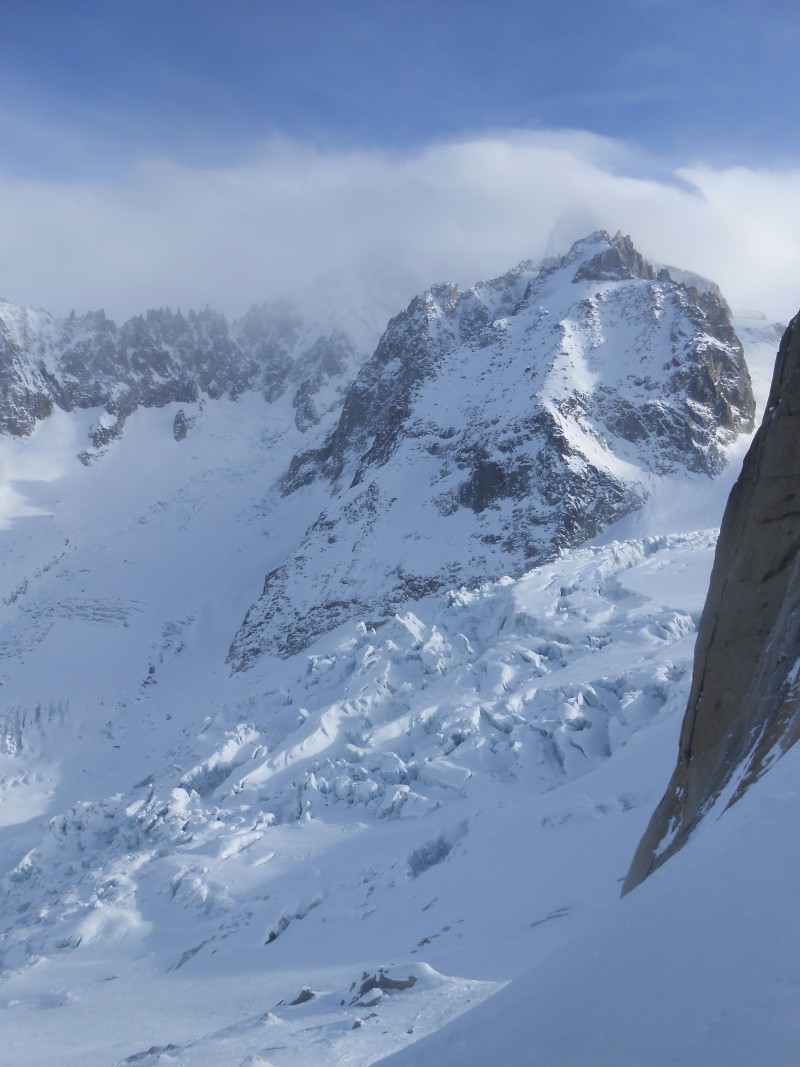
{"points": [[327, 858]]}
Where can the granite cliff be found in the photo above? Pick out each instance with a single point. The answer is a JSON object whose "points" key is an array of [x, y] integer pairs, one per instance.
{"points": [[744, 706]]}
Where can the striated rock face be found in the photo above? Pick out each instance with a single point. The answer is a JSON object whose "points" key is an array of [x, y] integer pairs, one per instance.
{"points": [[744, 706], [494, 427]]}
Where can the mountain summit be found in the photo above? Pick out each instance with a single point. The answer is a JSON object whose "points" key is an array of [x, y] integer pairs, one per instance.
{"points": [[495, 427]]}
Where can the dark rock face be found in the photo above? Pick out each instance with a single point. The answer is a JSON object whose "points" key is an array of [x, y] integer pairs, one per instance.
{"points": [[182, 424], [496, 426], [744, 706], [616, 263], [161, 358], [25, 392]]}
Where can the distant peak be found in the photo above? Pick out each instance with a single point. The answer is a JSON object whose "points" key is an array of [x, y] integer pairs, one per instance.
{"points": [[583, 245]]}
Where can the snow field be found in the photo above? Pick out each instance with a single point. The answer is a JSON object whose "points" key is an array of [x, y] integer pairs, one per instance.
{"points": [[295, 827], [451, 794]]}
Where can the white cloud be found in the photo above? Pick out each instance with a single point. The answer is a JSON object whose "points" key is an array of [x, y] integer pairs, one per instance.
{"points": [[230, 237]]}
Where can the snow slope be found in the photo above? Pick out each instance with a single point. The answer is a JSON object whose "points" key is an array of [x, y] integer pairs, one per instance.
{"points": [[216, 842], [699, 965], [201, 868]]}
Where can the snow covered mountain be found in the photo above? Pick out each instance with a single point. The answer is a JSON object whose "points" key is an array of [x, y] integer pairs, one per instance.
{"points": [[494, 428], [331, 854], [164, 357]]}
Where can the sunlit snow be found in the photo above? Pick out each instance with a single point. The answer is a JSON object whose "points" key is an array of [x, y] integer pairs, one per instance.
{"points": [[329, 857]]}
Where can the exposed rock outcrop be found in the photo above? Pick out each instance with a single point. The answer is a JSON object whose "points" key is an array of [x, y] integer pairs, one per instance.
{"points": [[619, 261], [182, 424], [25, 391], [744, 705]]}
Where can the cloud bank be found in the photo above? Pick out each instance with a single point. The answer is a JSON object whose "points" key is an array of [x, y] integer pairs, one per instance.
{"points": [[460, 211]]}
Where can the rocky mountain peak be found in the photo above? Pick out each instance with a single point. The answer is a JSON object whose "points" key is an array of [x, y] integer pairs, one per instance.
{"points": [[493, 426], [744, 705], [615, 262], [497, 425]]}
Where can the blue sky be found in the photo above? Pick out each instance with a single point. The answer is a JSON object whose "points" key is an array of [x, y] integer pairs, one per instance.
{"points": [[176, 152], [98, 84]]}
